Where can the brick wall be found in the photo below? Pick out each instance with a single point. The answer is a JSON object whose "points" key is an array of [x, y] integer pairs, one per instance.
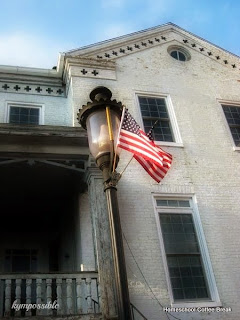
{"points": [[57, 110], [206, 166]]}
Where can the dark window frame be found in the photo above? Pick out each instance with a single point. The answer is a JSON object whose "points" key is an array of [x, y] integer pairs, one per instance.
{"points": [[21, 260], [178, 205], [24, 114], [154, 109], [232, 116], [182, 274], [178, 55]]}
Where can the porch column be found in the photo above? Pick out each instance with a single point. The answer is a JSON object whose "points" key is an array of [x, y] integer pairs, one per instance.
{"points": [[103, 250]]}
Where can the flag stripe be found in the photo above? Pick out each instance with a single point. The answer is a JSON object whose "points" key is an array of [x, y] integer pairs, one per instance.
{"points": [[152, 168], [148, 148], [152, 158], [151, 165], [138, 141], [154, 172], [135, 148]]}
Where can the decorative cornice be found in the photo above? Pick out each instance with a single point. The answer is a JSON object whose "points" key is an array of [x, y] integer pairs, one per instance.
{"points": [[136, 36], [28, 88], [203, 47], [31, 84], [212, 52], [131, 48], [89, 67], [118, 50], [114, 49]]}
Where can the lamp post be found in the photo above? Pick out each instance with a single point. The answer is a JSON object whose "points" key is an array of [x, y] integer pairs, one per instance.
{"points": [[101, 119]]}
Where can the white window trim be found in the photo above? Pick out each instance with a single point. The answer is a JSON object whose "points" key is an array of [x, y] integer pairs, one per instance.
{"points": [[230, 103], [214, 296], [173, 120], [9, 104]]}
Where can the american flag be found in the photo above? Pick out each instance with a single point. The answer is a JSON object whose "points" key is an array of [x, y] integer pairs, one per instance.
{"points": [[152, 158]]}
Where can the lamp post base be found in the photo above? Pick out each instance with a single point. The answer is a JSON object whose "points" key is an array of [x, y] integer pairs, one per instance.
{"points": [[118, 254]]}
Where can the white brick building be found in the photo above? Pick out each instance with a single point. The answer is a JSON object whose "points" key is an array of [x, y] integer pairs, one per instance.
{"points": [[181, 236]]}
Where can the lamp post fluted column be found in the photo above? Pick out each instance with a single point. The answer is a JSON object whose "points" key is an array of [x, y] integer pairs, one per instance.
{"points": [[93, 117]]}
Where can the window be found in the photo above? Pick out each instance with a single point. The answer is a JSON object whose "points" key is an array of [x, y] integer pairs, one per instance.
{"points": [[178, 55], [158, 111], [20, 113], [17, 260], [154, 111], [232, 114], [183, 257], [187, 265]]}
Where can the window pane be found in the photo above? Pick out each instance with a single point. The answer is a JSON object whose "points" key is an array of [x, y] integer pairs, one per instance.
{"points": [[183, 203], [24, 111], [20, 263], [33, 120], [174, 54], [145, 113], [181, 56], [34, 264], [185, 283], [190, 293], [21, 251], [21, 260], [232, 114], [155, 109], [34, 112], [175, 203], [178, 55], [174, 272], [14, 118], [176, 218], [23, 119], [183, 255], [142, 100], [235, 134], [162, 203], [176, 283], [14, 110], [178, 294], [179, 234], [201, 292], [23, 115], [8, 264]]}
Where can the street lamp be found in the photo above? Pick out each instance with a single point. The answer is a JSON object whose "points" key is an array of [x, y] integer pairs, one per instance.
{"points": [[101, 119]]}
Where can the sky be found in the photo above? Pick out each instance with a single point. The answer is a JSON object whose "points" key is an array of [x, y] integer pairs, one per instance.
{"points": [[33, 32]]}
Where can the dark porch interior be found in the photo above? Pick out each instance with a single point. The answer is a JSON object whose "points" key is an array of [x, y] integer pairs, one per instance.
{"points": [[37, 206]]}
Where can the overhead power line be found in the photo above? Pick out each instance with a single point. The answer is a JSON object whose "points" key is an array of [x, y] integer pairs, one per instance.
{"points": [[145, 280]]}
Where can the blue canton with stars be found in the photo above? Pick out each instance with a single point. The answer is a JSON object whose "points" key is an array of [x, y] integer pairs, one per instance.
{"points": [[129, 124]]}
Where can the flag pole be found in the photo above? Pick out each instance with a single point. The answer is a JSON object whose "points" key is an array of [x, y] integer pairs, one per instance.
{"points": [[120, 175]]}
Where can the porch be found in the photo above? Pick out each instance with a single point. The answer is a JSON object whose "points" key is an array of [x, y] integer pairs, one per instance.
{"points": [[46, 240], [52, 294], [54, 226]]}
